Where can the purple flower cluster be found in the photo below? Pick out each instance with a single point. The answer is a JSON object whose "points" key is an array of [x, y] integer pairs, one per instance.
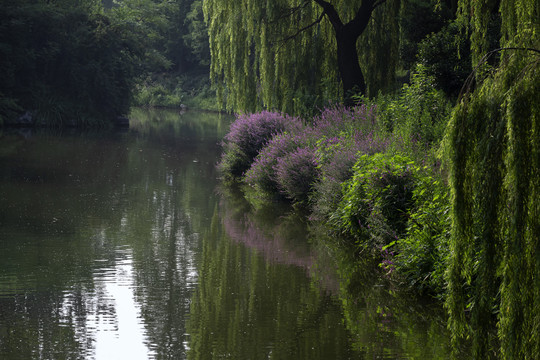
{"points": [[250, 132], [296, 173], [292, 162], [339, 119], [283, 156], [262, 172]]}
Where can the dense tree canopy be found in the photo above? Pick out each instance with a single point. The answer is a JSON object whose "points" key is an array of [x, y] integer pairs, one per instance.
{"points": [[67, 63], [77, 62], [494, 156], [282, 54]]}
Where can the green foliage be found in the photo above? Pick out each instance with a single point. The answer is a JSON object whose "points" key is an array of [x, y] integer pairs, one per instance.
{"points": [[418, 19], [422, 253], [196, 36], [69, 66], [174, 40], [445, 56], [494, 155], [419, 112], [148, 23], [159, 92], [376, 200], [479, 19], [175, 90], [399, 212]]}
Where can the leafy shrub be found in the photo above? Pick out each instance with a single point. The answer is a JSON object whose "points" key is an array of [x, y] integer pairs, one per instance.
{"points": [[157, 95], [336, 157], [248, 134], [416, 117], [423, 252], [426, 110], [399, 211], [376, 200]]}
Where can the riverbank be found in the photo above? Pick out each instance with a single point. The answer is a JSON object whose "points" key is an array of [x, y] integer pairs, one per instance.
{"points": [[368, 175]]}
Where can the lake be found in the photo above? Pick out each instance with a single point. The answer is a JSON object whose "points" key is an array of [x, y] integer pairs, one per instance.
{"points": [[123, 245]]}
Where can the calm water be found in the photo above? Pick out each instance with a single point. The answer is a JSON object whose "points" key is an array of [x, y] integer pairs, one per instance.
{"points": [[117, 245]]}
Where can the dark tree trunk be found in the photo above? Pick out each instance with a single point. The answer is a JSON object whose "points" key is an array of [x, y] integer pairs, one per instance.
{"points": [[350, 72]]}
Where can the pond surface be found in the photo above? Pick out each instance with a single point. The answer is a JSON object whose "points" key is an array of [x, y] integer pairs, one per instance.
{"points": [[118, 245]]}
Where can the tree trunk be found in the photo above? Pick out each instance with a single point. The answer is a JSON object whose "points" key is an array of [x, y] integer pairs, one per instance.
{"points": [[350, 72], [352, 78]]}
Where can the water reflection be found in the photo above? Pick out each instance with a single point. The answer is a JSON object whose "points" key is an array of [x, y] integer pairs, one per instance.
{"points": [[349, 301], [116, 245], [119, 332], [256, 303], [99, 232]]}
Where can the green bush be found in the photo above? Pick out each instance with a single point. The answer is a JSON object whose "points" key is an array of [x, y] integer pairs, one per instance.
{"points": [[422, 253], [376, 200], [426, 110], [419, 113], [400, 213]]}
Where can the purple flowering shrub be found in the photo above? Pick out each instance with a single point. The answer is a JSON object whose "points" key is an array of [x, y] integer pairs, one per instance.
{"points": [[338, 120], [248, 134], [296, 173], [350, 132], [350, 169], [336, 157], [294, 163], [262, 175]]}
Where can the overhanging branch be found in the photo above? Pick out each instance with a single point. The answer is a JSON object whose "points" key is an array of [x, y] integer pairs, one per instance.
{"points": [[291, 11], [468, 85], [330, 10], [378, 3], [319, 19]]}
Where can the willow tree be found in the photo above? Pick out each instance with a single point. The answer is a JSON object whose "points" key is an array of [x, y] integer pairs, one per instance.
{"points": [[493, 145], [281, 53]]}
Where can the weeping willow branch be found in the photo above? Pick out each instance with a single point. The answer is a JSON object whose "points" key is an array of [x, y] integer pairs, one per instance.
{"points": [[494, 158], [293, 36], [290, 12], [469, 82]]}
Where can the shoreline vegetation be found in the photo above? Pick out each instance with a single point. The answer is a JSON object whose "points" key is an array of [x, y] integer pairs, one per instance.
{"points": [[370, 179], [444, 198]]}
